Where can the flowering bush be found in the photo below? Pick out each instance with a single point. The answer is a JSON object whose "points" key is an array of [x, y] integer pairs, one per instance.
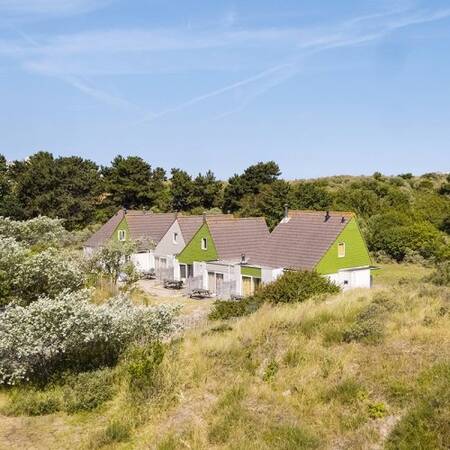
{"points": [[12, 255], [25, 276], [40, 230], [46, 273], [70, 333]]}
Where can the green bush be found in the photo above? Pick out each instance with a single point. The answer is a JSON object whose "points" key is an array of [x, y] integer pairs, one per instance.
{"points": [[292, 287], [72, 393], [296, 286], [228, 309], [369, 331], [33, 402], [86, 391], [441, 275], [142, 368]]}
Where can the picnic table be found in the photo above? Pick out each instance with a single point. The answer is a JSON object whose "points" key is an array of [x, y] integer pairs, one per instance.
{"points": [[200, 293], [149, 275], [173, 284]]}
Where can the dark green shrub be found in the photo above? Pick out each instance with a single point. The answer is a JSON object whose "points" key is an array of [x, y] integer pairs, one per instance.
{"points": [[33, 402], [142, 368], [86, 391], [369, 331], [292, 287], [296, 286], [228, 309], [441, 275]]}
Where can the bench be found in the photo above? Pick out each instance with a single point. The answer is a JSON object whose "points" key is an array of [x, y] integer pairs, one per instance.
{"points": [[172, 284], [200, 293]]}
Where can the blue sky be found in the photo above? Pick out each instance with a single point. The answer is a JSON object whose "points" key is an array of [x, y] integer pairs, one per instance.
{"points": [[322, 87]]}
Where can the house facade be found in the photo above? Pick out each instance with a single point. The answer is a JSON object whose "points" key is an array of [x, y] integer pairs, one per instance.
{"points": [[329, 243], [236, 261], [146, 228], [212, 259]]}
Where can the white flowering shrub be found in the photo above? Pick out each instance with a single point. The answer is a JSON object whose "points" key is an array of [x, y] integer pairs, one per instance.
{"points": [[112, 259], [12, 255], [70, 333], [46, 273], [41, 230]]}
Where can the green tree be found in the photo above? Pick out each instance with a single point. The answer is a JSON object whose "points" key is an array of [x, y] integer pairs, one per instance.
{"points": [[207, 191], [8, 203], [129, 182], [181, 190], [67, 187], [250, 182], [311, 195], [270, 202]]}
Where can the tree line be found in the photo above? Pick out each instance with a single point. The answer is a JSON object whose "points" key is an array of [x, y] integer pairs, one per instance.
{"points": [[402, 216]]}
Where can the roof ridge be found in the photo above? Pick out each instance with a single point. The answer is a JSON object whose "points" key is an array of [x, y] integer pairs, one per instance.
{"points": [[315, 211]]}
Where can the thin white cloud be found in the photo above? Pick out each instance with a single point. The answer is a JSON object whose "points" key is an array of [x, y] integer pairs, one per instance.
{"points": [[278, 74], [49, 7], [74, 57]]}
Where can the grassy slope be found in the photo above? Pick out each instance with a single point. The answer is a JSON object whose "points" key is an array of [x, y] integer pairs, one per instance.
{"points": [[284, 379]]}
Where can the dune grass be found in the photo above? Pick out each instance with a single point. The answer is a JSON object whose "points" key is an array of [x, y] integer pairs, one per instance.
{"points": [[362, 369]]}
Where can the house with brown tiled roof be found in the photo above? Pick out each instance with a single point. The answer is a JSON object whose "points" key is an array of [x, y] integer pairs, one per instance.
{"points": [[237, 262], [144, 227], [174, 241], [328, 242], [211, 260]]}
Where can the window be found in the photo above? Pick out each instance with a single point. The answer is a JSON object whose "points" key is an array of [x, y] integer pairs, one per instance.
{"points": [[341, 249], [121, 235], [204, 244], [175, 238], [183, 271]]}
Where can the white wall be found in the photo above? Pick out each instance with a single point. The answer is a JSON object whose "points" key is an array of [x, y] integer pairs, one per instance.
{"points": [[356, 278], [166, 246], [143, 261]]}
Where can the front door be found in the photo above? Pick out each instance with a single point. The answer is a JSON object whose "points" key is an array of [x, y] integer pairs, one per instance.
{"points": [[247, 286], [212, 282]]}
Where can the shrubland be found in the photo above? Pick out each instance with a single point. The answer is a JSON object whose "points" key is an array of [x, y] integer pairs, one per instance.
{"points": [[359, 369]]}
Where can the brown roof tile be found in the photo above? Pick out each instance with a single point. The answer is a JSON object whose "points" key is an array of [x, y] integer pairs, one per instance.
{"points": [[190, 224], [105, 232], [236, 236], [300, 241], [143, 226]]}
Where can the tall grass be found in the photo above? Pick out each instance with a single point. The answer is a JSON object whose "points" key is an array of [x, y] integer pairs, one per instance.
{"points": [[297, 376]]}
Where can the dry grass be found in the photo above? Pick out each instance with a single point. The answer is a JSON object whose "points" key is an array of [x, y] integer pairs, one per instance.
{"points": [[288, 377]]}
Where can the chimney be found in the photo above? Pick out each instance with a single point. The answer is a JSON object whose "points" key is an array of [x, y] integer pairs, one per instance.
{"points": [[286, 211], [243, 259], [327, 216], [124, 210], [343, 219], [204, 217], [176, 215]]}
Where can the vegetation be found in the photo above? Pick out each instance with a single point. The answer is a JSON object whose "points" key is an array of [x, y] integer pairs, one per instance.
{"points": [[69, 332], [291, 287], [288, 376], [403, 217]]}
